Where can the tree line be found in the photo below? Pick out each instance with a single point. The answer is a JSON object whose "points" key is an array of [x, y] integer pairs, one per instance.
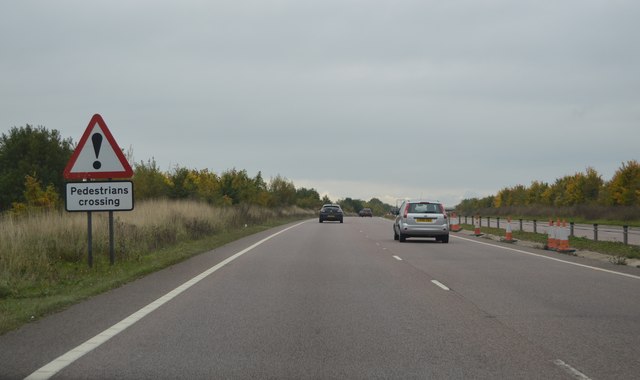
{"points": [[32, 160], [377, 206], [579, 192], [231, 187]]}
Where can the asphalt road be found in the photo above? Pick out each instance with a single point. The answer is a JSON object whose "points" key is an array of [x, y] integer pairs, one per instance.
{"points": [[346, 301]]}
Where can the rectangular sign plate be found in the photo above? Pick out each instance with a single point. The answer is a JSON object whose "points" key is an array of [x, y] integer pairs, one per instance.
{"points": [[99, 196]]}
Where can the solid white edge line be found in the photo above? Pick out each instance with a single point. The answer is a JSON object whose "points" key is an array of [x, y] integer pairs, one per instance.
{"points": [[440, 285], [551, 258], [572, 371], [76, 353]]}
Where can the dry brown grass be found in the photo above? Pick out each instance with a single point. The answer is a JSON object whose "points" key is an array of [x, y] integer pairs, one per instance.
{"points": [[33, 246]]}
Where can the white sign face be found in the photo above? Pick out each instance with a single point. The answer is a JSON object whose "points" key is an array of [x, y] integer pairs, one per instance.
{"points": [[97, 155], [99, 196]]}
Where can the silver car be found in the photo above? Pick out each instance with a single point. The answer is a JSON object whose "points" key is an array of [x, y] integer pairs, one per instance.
{"points": [[421, 219]]}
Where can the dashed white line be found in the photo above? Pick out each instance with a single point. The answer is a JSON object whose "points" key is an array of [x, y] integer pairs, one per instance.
{"points": [[397, 258], [76, 353], [440, 285], [570, 370]]}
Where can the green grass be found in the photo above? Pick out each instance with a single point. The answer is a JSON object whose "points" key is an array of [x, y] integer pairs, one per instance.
{"points": [[43, 258], [82, 282]]}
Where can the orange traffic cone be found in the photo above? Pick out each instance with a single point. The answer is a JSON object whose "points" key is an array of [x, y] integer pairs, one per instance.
{"points": [[552, 244], [509, 234], [563, 244], [455, 227], [476, 229]]}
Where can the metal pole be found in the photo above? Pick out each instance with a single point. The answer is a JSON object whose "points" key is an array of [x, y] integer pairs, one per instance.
{"points": [[112, 255], [90, 240]]}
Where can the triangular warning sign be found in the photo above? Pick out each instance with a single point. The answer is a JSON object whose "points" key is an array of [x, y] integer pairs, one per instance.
{"points": [[97, 155]]}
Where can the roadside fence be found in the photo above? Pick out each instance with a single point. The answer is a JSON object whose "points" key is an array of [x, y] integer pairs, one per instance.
{"points": [[624, 234]]}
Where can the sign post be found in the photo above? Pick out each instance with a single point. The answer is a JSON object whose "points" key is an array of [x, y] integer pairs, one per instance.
{"points": [[98, 156]]}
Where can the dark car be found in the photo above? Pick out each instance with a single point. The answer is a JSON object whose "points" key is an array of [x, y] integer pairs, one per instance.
{"points": [[365, 212], [331, 212]]}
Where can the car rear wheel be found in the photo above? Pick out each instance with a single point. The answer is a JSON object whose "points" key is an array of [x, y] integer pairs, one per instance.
{"points": [[444, 239], [320, 220], [402, 238]]}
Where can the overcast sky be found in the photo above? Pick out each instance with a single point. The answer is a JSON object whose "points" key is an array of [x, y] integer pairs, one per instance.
{"points": [[446, 99]]}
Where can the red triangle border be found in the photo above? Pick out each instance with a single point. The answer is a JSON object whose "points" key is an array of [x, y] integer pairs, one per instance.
{"points": [[126, 173]]}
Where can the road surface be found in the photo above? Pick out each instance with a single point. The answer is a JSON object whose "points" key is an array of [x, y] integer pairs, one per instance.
{"points": [[331, 300]]}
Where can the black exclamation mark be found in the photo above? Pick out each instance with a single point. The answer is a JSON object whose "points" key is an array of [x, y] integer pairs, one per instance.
{"points": [[96, 138]]}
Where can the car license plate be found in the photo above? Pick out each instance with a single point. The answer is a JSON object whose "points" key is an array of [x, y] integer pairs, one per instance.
{"points": [[424, 220]]}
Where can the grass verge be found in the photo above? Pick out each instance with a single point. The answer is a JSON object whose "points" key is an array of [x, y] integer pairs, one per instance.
{"points": [[614, 249], [60, 278]]}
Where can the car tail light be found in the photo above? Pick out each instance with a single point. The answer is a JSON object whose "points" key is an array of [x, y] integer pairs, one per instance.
{"points": [[444, 212], [406, 211]]}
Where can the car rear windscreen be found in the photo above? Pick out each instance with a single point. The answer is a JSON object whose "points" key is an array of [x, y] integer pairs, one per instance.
{"points": [[424, 208]]}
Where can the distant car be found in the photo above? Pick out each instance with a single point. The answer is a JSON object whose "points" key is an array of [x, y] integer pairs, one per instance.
{"points": [[365, 212], [331, 212], [421, 219]]}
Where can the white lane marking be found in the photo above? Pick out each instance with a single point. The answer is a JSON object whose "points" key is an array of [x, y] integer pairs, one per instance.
{"points": [[440, 285], [572, 371], [551, 258], [397, 258], [76, 353]]}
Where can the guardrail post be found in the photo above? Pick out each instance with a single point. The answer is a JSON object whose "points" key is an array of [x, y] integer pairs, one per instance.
{"points": [[498, 223], [465, 219], [625, 235], [520, 224], [595, 232], [488, 221], [535, 226], [571, 227]]}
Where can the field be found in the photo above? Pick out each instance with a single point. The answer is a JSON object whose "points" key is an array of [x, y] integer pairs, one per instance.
{"points": [[43, 256]]}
